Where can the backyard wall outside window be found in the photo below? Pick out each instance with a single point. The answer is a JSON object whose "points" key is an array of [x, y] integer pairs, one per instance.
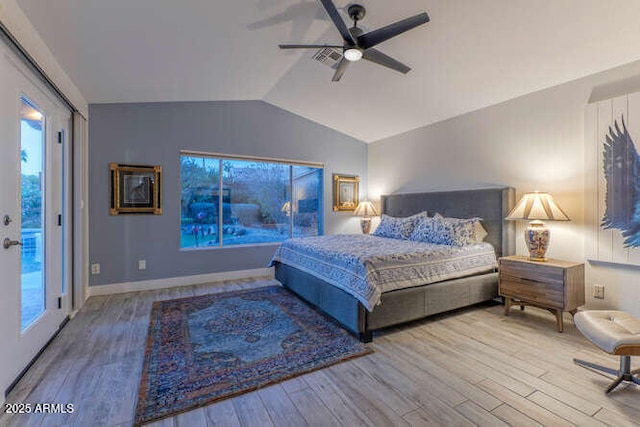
{"points": [[234, 201]]}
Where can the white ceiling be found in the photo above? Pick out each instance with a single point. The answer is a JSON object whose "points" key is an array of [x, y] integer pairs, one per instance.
{"points": [[473, 53]]}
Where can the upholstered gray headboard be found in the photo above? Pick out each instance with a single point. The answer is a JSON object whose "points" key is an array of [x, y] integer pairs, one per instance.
{"points": [[492, 205]]}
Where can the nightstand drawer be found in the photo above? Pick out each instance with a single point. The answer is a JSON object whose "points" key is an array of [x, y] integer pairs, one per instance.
{"points": [[532, 290], [535, 273]]}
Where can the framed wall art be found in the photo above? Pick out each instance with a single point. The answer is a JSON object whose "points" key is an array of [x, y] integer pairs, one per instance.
{"points": [[345, 192], [612, 185], [135, 189]]}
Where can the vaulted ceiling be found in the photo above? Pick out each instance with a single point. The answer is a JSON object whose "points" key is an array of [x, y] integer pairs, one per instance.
{"points": [[473, 53]]}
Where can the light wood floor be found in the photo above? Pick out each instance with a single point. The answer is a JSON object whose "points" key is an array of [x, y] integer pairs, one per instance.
{"points": [[473, 366]]}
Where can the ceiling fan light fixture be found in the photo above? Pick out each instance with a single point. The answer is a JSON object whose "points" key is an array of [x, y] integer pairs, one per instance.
{"points": [[353, 54]]}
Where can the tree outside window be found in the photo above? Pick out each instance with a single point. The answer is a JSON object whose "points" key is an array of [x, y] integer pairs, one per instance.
{"points": [[236, 202]]}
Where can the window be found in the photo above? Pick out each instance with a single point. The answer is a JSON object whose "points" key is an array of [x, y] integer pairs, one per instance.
{"points": [[33, 189], [237, 201]]}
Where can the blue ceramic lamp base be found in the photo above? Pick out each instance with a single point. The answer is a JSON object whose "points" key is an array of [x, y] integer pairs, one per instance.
{"points": [[537, 238], [365, 225]]}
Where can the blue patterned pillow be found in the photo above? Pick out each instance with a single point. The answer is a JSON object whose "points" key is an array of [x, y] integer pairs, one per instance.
{"points": [[396, 227], [460, 232], [429, 230], [445, 231]]}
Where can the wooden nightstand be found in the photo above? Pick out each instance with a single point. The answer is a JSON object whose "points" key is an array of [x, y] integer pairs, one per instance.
{"points": [[555, 285]]}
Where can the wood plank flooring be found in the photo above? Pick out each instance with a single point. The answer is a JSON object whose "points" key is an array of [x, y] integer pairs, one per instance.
{"points": [[470, 367]]}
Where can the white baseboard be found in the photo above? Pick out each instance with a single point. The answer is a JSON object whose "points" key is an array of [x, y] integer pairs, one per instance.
{"points": [[147, 285]]}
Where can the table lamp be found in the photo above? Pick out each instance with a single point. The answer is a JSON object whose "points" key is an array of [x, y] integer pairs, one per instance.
{"points": [[536, 207], [286, 208], [365, 209]]}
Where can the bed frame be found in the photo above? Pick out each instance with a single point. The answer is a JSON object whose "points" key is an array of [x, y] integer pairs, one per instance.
{"points": [[417, 302]]}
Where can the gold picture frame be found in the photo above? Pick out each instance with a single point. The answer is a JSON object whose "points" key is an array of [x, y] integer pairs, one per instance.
{"points": [[135, 189], [345, 192]]}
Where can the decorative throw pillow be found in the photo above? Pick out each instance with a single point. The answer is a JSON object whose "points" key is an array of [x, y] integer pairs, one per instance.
{"points": [[430, 230], [396, 227], [479, 232], [459, 231]]}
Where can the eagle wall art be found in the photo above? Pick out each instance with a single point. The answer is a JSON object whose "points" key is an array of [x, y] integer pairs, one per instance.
{"points": [[612, 184], [621, 166]]}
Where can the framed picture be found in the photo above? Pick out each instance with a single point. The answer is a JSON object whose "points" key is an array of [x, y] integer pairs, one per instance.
{"points": [[345, 192], [135, 189]]}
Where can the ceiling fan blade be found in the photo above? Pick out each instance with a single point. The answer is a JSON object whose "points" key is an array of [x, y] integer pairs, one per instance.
{"points": [[375, 37], [342, 67], [307, 46], [374, 55], [338, 22]]}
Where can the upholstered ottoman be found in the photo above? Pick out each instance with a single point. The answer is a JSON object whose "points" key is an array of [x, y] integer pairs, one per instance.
{"points": [[615, 332]]}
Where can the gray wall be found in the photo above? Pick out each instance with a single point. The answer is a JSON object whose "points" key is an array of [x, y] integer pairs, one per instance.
{"points": [[154, 134], [535, 142]]}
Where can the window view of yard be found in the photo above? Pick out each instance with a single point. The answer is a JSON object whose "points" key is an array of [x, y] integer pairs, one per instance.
{"points": [[233, 202]]}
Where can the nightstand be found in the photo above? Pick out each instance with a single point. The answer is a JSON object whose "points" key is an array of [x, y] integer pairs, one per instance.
{"points": [[555, 285]]}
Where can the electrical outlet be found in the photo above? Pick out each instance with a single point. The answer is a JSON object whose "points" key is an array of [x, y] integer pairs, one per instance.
{"points": [[598, 291], [95, 268], [142, 264]]}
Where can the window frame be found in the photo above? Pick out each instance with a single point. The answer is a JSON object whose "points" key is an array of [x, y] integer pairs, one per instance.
{"points": [[221, 158]]}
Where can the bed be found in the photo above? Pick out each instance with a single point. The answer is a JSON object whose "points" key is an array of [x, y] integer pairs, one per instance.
{"points": [[419, 300]]}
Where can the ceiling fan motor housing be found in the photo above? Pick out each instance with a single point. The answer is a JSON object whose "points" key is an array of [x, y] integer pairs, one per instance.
{"points": [[356, 12]]}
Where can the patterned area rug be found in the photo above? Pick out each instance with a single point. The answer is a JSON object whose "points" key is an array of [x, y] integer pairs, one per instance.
{"points": [[205, 348]]}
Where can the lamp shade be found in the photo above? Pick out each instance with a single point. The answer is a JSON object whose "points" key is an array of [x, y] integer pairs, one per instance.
{"points": [[537, 206], [286, 208], [365, 209]]}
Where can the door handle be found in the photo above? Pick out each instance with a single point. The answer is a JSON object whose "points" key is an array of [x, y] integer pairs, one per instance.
{"points": [[7, 243]]}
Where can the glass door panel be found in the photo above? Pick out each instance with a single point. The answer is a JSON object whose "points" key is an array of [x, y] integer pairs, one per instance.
{"points": [[32, 197], [306, 199]]}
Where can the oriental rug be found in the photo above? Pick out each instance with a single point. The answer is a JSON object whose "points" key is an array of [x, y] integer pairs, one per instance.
{"points": [[206, 348]]}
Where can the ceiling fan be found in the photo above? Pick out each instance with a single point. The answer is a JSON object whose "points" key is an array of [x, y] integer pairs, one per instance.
{"points": [[360, 45]]}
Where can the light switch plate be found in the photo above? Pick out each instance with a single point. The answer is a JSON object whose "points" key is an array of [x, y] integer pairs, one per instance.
{"points": [[598, 291], [95, 268]]}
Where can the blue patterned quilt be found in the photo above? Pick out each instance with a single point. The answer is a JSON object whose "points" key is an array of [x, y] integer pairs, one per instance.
{"points": [[365, 266]]}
